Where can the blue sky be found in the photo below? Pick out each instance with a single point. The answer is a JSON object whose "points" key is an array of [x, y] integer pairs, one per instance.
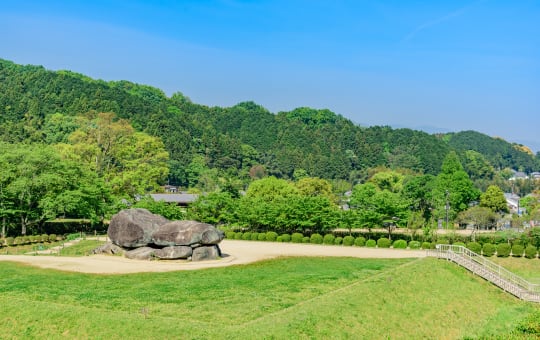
{"points": [[434, 65]]}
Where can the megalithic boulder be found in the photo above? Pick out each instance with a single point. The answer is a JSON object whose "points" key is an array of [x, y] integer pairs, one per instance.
{"points": [[186, 233], [133, 228]]}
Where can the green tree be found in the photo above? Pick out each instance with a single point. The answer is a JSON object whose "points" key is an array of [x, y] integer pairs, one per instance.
{"points": [[271, 188], [494, 199]]}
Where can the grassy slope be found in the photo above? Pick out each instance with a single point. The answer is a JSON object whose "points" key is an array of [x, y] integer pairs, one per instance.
{"points": [[284, 298]]}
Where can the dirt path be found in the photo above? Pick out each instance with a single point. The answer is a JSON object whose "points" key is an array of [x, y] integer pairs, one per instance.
{"points": [[234, 252]]}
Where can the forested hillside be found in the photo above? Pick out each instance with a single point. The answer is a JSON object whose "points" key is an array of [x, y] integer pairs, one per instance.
{"points": [[75, 147], [231, 141]]}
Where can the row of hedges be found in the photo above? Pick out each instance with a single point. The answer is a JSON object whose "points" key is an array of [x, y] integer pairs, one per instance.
{"points": [[24, 240], [487, 249], [328, 239]]}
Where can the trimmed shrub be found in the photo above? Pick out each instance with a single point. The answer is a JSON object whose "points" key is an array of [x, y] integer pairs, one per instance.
{"points": [[35, 238], [329, 239], [238, 235], [296, 238], [246, 236], [399, 244], [488, 249], [316, 239], [254, 236], [371, 243], [52, 238], [338, 241], [306, 239], [360, 241], [348, 240], [426, 245], [44, 238], [415, 245], [530, 251], [230, 235], [18, 241], [261, 237], [9, 241], [433, 245], [503, 250], [384, 242], [286, 238], [459, 244], [474, 247], [271, 236], [442, 240], [279, 239], [517, 250]]}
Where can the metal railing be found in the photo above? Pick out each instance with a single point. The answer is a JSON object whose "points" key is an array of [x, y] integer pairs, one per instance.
{"points": [[500, 275]]}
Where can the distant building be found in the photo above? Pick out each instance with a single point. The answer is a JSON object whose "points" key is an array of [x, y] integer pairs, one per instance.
{"points": [[512, 200], [518, 175], [181, 199]]}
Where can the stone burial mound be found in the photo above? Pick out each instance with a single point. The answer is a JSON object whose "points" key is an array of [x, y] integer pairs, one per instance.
{"points": [[141, 235]]}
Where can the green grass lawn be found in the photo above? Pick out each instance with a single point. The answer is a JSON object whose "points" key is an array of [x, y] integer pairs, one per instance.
{"points": [[289, 298], [527, 268], [81, 248]]}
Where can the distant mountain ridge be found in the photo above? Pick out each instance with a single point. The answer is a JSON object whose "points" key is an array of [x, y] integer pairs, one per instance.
{"points": [[234, 140]]}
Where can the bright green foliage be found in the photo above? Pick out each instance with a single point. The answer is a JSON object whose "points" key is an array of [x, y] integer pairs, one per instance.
{"points": [[494, 199], [271, 236], [426, 245], [238, 235], [371, 243], [254, 236], [279, 239], [478, 217], [517, 250], [459, 244], [306, 239], [384, 242], [530, 252], [316, 238], [360, 241], [475, 247], [286, 237], [388, 180], [296, 238], [399, 244], [230, 235], [213, 208], [503, 250], [261, 237], [488, 249], [270, 189], [167, 210], [246, 236], [310, 186], [329, 239], [338, 240], [348, 240], [415, 245]]}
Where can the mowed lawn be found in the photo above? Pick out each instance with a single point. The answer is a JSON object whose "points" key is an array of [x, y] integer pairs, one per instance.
{"points": [[287, 298]]}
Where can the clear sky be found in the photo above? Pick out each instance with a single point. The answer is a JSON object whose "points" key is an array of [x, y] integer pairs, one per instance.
{"points": [[434, 65]]}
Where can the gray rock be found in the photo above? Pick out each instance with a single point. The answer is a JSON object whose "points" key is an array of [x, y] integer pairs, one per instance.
{"points": [[108, 248], [133, 228], [185, 233], [205, 253], [174, 252], [142, 253]]}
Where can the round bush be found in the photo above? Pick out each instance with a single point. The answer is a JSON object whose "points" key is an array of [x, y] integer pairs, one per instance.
{"points": [[426, 245], [474, 247], [9, 241], [517, 250], [44, 238], [371, 243], [433, 245], [279, 239], [230, 235], [384, 242], [246, 236], [286, 238], [261, 237], [271, 236], [254, 236], [399, 244], [338, 240], [238, 235], [329, 239], [415, 245], [18, 241], [306, 239], [52, 237], [459, 244], [503, 250], [316, 238], [348, 240], [488, 249], [530, 251], [296, 238], [360, 241]]}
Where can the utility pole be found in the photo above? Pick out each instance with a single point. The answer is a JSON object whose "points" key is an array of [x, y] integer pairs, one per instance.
{"points": [[447, 207]]}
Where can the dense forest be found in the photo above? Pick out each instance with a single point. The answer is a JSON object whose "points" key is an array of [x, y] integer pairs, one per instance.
{"points": [[124, 140]]}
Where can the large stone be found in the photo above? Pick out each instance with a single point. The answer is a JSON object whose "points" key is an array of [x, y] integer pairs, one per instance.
{"points": [[133, 228], [142, 253], [174, 252], [186, 233], [204, 253], [108, 248]]}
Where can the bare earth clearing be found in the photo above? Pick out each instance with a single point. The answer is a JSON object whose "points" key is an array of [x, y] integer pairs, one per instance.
{"points": [[234, 252]]}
